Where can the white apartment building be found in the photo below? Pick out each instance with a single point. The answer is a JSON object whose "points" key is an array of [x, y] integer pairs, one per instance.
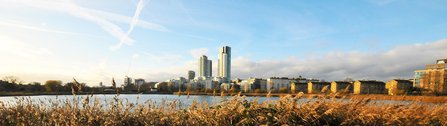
{"points": [[224, 63]]}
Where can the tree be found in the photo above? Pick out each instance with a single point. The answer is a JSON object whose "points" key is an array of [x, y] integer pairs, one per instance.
{"points": [[349, 79], [258, 91], [12, 79], [67, 87], [283, 90], [53, 85], [36, 86], [10, 83], [189, 89], [433, 81], [198, 88], [162, 87], [147, 86]]}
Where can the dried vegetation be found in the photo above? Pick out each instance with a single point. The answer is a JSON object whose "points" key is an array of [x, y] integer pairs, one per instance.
{"points": [[288, 110]]}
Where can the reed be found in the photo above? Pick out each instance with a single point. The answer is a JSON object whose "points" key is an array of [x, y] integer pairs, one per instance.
{"points": [[322, 110]]}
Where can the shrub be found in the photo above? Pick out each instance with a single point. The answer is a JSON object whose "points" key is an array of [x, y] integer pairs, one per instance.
{"points": [[258, 91], [189, 89], [198, 89], [208, 90], [284, 90]]}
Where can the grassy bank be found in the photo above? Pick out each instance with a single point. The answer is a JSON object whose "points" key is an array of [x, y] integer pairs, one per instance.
{"points": [[324, 110]]}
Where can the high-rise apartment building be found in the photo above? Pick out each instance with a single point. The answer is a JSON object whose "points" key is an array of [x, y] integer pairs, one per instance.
{"points": [[224, 63], [191, 74], [127, 80], [434, 77], [205, 67]]}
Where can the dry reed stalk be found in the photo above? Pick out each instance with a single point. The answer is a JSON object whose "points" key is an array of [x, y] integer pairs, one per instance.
{"points": [[139, 86], [324, 89], [358, 111], [187, 96], [78, 85], [347, 89], [268, 95], [73, 91], [221, 94]]}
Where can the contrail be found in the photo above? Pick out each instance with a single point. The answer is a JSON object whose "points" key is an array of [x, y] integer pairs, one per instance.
{"points": [[99, 17], [132, 25], [136, 16]]}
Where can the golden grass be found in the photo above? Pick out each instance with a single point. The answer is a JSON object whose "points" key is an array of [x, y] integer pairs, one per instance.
{"points": [[322, 110]]}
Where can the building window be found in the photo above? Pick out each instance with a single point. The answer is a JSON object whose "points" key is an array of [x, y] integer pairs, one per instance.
{"points": [[432, 66]]}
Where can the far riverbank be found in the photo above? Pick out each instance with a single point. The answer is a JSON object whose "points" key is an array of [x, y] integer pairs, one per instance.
{"points": [[427, 99]]}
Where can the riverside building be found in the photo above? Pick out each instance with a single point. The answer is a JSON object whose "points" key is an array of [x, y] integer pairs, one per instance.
{"points": [[191, 75], [433, 77], [224, 63], [205, 67]]}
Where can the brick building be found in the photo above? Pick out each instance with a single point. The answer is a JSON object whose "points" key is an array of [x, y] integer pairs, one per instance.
{"points": [[398, 86], [336, 86], [316, 87], [369, 87]]}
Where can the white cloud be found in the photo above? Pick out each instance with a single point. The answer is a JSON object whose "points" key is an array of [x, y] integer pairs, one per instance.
{"points": [[197, 53], [33, 28], [135, 56], [399, 62], [19, 48]]}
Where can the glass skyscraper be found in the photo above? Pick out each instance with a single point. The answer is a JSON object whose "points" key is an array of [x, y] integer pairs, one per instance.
{"points": [[224, 63]]}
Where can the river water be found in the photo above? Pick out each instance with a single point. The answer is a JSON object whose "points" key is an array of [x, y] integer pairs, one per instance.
{"points": [[134, 98]]}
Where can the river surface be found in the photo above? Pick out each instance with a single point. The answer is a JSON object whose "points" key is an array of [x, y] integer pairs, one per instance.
{"points": [[141, 98]]}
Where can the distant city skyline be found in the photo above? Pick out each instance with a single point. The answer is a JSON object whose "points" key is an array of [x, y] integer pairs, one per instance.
{"points": [[94, 41]]}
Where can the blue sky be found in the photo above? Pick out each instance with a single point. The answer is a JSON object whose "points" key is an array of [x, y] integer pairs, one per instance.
{"points": [[94, 41]]}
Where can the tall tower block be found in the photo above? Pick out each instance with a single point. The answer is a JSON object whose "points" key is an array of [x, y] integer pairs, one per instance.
{"points": [[224, 63]]}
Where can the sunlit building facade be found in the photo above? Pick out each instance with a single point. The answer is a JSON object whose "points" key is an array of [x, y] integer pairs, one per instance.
{"points": [[224, 63], [205, 67], [434, 76]]}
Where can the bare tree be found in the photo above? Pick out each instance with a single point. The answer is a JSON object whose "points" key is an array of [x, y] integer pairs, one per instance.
{"points": [[433, 81], [12, 79], [348, 79]]}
